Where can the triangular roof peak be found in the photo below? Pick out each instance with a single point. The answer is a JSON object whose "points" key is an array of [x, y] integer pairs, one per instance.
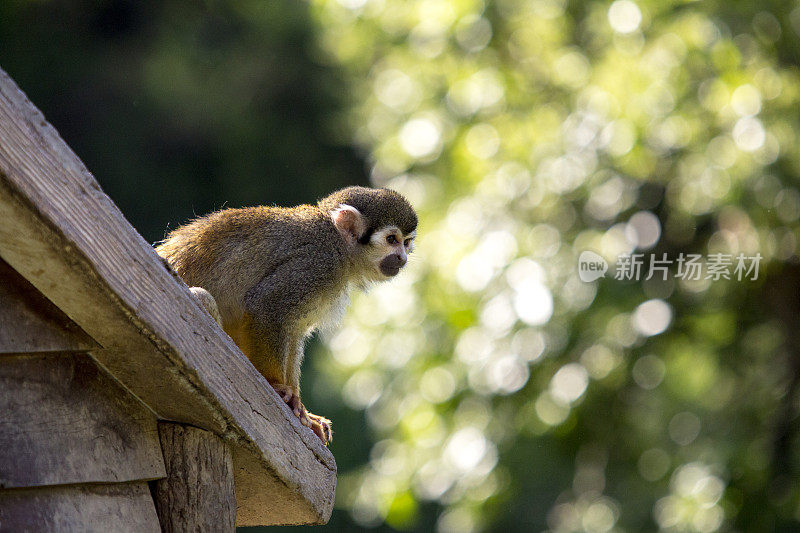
{"points": [[67, 238]]}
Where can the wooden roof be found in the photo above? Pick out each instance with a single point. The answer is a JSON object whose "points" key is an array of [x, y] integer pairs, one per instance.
{"points": [[65, 235]]}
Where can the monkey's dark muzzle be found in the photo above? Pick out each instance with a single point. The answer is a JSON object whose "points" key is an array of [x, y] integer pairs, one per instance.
{"points": [[391, 264]]}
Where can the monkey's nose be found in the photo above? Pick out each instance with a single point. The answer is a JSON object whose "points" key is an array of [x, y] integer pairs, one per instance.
{"points": [[391, 264]]}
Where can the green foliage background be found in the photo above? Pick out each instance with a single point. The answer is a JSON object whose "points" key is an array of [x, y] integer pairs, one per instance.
{"points": [[488, 388]]}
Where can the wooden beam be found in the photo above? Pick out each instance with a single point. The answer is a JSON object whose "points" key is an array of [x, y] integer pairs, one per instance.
{"points": [[198, 492], [116, 507], [63, 421], [31, 323], [63, 234]]}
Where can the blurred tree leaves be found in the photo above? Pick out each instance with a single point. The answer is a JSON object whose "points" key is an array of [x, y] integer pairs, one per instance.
{"points": [[528, 132]]}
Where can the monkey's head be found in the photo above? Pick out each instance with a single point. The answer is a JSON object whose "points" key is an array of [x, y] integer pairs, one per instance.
{"points": [[379, 226]]}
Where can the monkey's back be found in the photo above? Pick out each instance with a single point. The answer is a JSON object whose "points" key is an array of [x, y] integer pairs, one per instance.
{"points": [[231, 251]]}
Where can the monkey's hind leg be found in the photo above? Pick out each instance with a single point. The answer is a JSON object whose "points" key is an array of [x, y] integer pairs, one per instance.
{"points": [[208, 302]]}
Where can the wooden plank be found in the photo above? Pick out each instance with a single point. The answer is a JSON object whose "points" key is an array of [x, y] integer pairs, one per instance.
{"points": [[89, 508], [198, 492], [29, 322], [63, 421], [157, 340], [262, 496]]}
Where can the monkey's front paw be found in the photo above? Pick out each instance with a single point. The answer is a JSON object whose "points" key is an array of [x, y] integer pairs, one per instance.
{"points": [[322, 427], [292, 399]]}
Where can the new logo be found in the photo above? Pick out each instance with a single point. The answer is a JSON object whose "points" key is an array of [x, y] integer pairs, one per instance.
{"points": [[591, 266]]}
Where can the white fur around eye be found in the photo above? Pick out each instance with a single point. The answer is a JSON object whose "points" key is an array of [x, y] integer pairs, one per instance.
{"points": [[379, 237]]}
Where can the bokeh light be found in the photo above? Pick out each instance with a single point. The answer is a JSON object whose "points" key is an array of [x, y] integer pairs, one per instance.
{"points": [[621, 127]]}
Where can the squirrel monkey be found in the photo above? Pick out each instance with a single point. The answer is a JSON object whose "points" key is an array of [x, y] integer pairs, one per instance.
{"points": [[275, 274]]}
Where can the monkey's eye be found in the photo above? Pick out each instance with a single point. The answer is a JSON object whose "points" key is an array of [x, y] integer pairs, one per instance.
{"points": [[407, 243], [391, 239]]}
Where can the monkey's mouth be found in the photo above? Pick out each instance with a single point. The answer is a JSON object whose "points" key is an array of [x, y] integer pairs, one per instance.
{"points": [[391, 265], [389, 270]]}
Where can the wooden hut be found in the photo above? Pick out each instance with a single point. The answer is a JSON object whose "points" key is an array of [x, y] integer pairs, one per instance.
{"points": [[123, 405]]}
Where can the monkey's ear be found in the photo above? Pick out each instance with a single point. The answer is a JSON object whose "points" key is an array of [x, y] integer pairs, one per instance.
{"points": [[350, 222]]}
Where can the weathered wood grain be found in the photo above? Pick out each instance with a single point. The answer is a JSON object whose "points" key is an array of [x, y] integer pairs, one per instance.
{"points": [[63, 421], [29, 322], [69, 240], [84, 508], [198, 492]]}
